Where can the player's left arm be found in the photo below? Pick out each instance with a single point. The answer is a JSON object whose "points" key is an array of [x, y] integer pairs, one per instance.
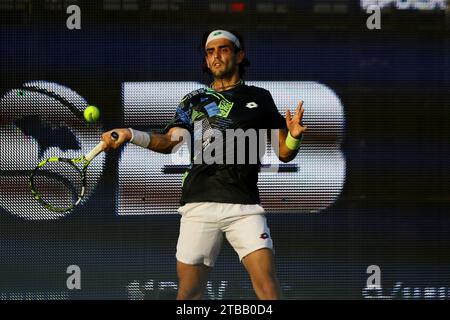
{"points": [[289, 146]]}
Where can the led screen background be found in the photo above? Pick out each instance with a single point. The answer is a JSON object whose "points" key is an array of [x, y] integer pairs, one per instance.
{"points": [[392, 207]]}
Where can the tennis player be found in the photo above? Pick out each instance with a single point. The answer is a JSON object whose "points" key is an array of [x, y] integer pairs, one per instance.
{"points": [[222, 198]]}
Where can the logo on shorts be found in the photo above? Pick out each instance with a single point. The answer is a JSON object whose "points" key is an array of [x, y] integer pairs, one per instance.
{"points": [[264, 235]]}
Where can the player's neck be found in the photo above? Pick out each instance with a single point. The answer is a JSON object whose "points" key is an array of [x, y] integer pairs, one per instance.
{"points": [[226, 84]]}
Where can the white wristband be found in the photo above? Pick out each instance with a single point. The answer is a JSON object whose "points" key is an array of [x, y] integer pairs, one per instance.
{"points": [[140, 138]]}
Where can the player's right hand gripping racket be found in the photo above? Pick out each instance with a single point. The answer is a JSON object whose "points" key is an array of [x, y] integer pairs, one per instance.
{"points": [[59, 184]]}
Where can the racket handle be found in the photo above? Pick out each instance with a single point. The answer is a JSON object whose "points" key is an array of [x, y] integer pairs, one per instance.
{"points": [[100, 147], [94, 152]]}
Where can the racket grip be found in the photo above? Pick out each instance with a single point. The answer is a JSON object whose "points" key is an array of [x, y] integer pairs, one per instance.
{"points": [[114, 135], [94, 152]]}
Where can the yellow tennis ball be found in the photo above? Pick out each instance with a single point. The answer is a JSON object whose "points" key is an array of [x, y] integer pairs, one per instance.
{"points": [[91, 114]]}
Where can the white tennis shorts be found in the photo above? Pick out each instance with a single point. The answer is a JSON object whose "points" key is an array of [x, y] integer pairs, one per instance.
{"points": [[203, 224]]}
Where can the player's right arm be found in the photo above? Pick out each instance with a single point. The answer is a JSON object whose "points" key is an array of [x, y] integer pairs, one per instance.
{"points": [[174, 134], [166, 143]]}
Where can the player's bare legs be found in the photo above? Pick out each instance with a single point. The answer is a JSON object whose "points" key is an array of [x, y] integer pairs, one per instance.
{"points": [[261, 268], [191, 280]]}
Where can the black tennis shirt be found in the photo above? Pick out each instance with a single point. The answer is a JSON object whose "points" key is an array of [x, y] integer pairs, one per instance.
{"points": [[242, 107]]}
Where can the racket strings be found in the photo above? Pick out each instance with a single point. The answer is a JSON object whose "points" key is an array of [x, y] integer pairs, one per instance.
{"points": [[58, 184]]}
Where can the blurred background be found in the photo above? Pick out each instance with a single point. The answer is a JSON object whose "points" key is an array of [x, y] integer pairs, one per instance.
{"points": [[369, 187]]}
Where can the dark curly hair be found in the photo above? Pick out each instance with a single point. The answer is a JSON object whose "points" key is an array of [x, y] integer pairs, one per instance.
{"points": [[245, 63]]}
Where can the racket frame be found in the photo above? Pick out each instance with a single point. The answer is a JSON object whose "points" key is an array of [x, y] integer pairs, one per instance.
{"points": [[86, 160], [72, 162]]}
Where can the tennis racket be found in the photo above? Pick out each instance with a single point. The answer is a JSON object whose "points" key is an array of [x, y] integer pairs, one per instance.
{"points": [[59, 184]]}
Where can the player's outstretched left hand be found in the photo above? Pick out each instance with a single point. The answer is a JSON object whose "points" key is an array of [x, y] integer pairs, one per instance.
{"points": [[294, 124]]}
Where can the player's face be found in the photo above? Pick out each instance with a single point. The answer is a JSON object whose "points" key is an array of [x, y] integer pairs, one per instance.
{"points": [[222, 59]]}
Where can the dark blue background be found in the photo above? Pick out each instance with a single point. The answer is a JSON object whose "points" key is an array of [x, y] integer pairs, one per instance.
{"points": [[393, 211]]}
